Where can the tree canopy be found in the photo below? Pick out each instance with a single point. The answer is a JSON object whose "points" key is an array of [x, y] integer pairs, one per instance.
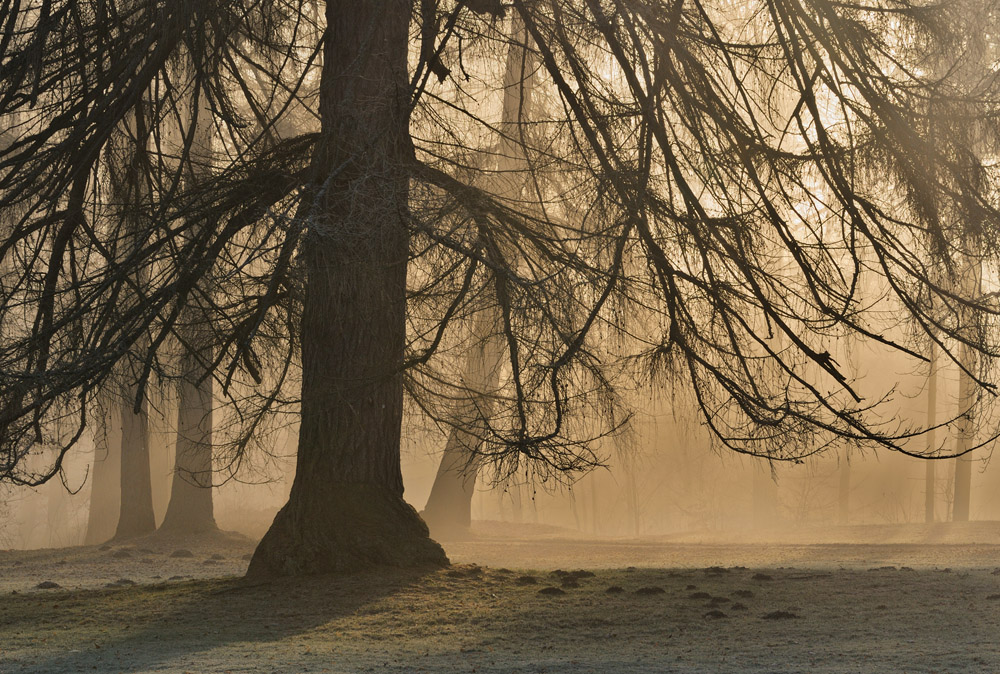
{"points": [[708, 192]]}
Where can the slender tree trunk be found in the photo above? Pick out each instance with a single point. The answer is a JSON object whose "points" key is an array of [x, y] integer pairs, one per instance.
{"points": [[966, 402], [346, 510], [449, 507], [135, 517], [764, 495], [190, 508], [963, 464], [516, 504], [844, 491], [105, 482], [972, 238], [595, 518], [929, 477], [575, 510], [632, 492]]}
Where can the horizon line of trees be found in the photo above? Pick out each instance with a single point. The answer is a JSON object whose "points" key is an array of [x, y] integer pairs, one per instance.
{"points": [[324, 211]]}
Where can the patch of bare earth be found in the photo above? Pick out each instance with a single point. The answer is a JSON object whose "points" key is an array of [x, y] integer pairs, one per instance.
{"points": [[682, 607]]}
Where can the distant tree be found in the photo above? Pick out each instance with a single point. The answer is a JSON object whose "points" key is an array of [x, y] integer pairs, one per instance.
{"points": [[448, 511], [105, 478], [125, 154], [663, 183], [190, 508]]}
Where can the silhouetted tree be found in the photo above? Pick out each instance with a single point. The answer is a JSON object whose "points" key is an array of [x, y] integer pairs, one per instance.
{"points": [[190, 508], [662, 182], [448, 511], [125, 153]]}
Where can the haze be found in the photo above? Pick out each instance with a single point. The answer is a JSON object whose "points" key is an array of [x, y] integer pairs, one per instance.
{"points": [[499, 335]]}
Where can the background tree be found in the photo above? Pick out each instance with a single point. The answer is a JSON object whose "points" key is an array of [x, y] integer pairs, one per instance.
{"points": [[126, 154], [448, 511], [190, 508], [105, 478], [655, 188]]}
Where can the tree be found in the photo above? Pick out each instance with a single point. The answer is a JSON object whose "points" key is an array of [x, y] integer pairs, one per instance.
{"points": [[930, 480], [190, 508], [449, 507], [105, 480], [661, 181], [125, 155], [346, 509], [967, 394]]}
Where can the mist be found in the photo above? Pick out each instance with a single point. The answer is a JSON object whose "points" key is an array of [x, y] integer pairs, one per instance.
{"points": [[499, 335]]}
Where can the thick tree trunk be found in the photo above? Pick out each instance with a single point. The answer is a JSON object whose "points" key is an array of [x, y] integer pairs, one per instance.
{"points": [[346, 510], [449, 507], [135, 517], [105, 483]]}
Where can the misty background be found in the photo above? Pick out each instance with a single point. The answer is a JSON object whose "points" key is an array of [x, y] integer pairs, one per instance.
{"points": [[663, 476]]}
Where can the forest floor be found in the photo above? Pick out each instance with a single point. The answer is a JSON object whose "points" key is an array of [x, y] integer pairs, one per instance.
{"points": [[864, 599]]}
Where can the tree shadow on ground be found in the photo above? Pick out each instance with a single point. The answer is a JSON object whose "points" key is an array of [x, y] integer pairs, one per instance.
{"points": [[149, 627]]}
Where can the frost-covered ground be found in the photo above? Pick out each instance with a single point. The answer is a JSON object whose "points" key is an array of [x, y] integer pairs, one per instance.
{"points": [[890, 602]]}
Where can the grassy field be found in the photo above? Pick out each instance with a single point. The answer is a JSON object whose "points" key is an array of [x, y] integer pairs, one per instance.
{"points": [[842, 608]]}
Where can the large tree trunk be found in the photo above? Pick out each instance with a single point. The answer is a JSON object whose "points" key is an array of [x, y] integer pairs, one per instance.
{"points": [[346, 510], [449, 507], [105, 481]]}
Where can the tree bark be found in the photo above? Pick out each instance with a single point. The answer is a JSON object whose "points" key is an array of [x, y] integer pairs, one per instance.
{"points": [[346, 510], [135, 517], [105, 481]]}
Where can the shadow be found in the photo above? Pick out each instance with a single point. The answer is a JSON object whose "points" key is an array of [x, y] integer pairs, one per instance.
{"points": [[467, 618], [149, 627]]}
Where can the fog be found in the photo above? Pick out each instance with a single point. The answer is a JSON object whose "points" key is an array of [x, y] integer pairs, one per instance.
{"points": [[499, 336], [663, 476]]}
